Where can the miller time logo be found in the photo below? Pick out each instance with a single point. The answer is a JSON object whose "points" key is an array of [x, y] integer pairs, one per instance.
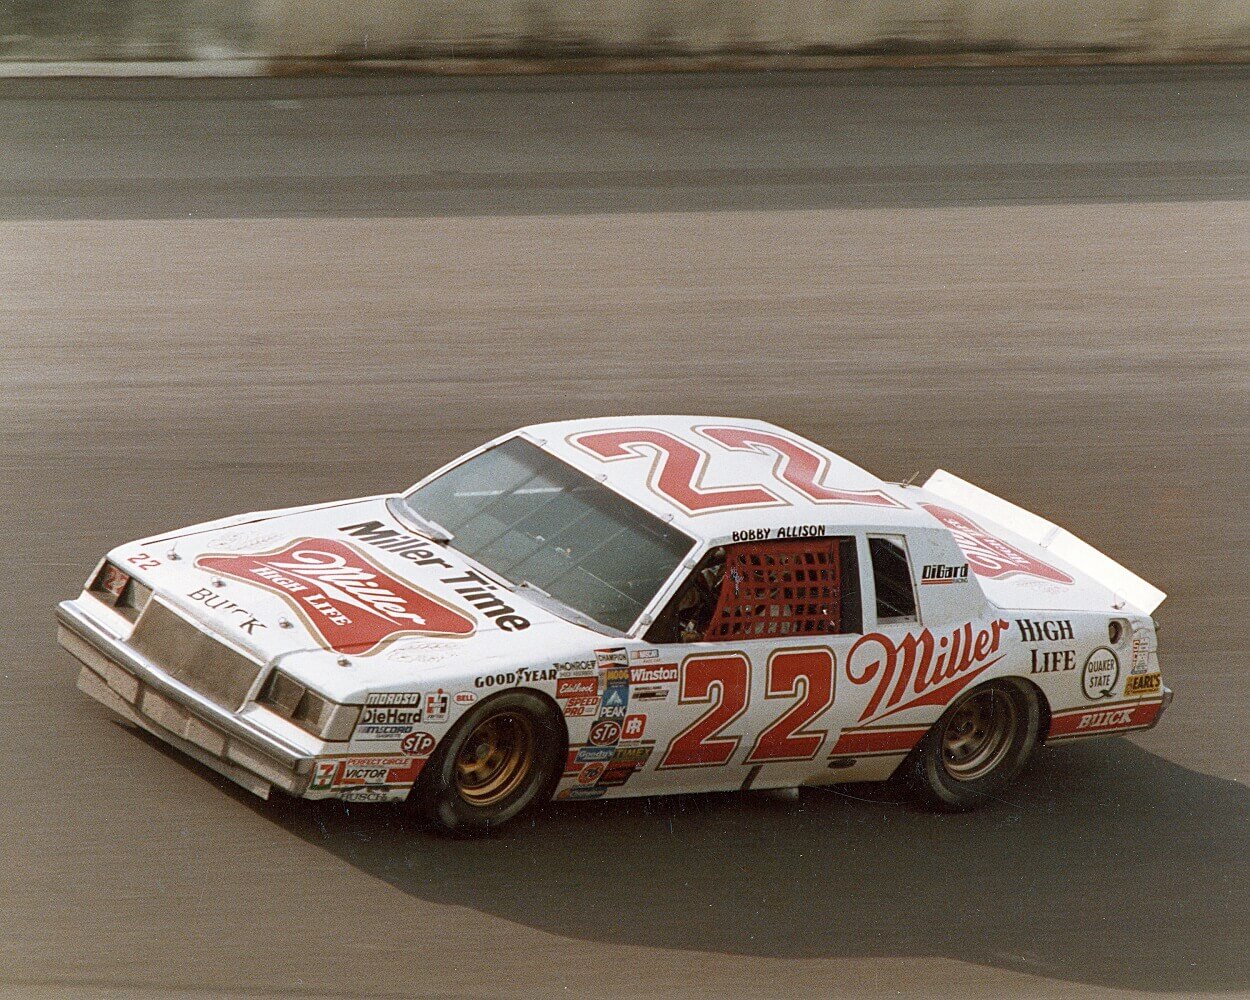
{"points": [[351, 604], [990, 556]]}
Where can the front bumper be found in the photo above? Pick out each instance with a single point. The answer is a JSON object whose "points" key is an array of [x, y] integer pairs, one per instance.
{"points": [[138, 690]]}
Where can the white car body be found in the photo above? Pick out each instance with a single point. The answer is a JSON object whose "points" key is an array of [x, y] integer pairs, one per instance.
{"points": [[415, 634]]}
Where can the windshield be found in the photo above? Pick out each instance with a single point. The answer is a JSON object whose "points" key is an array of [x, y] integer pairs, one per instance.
{"points": [[531, 518]]}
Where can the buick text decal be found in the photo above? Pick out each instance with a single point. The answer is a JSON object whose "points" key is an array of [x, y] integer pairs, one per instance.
{"points": [[990, 556], [349, 602]]}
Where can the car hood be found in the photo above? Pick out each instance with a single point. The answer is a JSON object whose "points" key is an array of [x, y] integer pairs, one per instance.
{"points": [[351, 582]]}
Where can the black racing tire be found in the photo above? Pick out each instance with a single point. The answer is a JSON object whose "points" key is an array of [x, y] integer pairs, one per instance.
{"points": [[504, 757], [976, 748]]}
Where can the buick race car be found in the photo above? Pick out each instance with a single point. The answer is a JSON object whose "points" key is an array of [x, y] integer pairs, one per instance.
{"points": [[618, 607]]}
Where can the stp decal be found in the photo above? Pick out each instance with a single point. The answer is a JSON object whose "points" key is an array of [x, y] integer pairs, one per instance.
{"points": [[990, 556], [350, 603]]}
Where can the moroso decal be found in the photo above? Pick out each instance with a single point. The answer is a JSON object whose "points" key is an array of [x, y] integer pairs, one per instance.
{"points": [[350, 603], [921, 668], [990, 556]]}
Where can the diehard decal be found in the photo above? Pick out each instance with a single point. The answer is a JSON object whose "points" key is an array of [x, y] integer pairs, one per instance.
{"points": [[348, 602], [990, 556]]}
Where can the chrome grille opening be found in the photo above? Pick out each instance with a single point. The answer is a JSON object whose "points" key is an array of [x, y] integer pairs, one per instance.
{"points": [[194, 657]]}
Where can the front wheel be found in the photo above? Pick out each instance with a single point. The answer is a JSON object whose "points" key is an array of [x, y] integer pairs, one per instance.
{"points": [[502, 758], [978, 745]]}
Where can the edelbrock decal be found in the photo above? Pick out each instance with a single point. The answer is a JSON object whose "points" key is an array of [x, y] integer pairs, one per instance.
{"points": [[351, 604]]}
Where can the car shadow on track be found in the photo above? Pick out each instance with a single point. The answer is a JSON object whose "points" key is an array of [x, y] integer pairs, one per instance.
{"points": [[1107, 865]]}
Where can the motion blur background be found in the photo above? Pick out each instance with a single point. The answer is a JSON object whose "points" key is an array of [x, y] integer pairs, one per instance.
{"points": [[255, 253]]}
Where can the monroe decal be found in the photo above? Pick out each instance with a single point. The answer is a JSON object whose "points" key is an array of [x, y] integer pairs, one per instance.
{"points": [[989, 555], [921, 668], [347, 601]]}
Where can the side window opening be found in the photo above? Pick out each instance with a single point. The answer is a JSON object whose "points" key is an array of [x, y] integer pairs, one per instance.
{"points": [[763, 590], [891, 574]]}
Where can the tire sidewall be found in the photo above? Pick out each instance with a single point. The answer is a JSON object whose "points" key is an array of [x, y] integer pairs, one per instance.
{"points": [[436, 796], [928, 773]]}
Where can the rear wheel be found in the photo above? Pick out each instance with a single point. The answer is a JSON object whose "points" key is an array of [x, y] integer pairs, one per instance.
{"points": [[976, 748], [502, 758]]}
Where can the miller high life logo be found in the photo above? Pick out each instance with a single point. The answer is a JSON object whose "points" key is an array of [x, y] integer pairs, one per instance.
{"points": [[348, 601], [990, 556], [921, 668]]}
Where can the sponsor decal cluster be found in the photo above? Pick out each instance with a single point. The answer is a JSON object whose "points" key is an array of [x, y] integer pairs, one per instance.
{"points": [[349, 602], [1048, 661], [921, 668], [475, 589], [594, 778], [215, 601], [941, 573], [605, 731], [988, 554], [1101, 674]]}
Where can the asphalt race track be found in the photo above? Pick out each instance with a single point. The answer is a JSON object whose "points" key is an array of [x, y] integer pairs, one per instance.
{"points": [[218, 297]]}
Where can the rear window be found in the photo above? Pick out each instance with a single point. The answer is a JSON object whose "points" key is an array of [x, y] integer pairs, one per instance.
{"points": [[891, 574]]}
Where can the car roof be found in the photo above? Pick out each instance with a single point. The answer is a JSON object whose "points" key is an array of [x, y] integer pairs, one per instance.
{"points": [[723, 452]]}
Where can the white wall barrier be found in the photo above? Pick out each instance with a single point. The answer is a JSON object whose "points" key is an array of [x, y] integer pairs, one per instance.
{"points": [[297, 29]]}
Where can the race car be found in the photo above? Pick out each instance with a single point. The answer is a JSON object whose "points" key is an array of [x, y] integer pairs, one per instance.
{"points": [[616, 607]]}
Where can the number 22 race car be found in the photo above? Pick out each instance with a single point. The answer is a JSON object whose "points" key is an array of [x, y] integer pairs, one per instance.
{"points": [[618, 607]]}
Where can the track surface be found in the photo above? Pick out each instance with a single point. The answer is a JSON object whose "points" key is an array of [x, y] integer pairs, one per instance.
{"points": [[1039, 281]]}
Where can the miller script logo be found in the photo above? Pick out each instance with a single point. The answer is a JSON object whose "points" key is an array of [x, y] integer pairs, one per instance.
{"points": [[347, 601], [990, 556]]}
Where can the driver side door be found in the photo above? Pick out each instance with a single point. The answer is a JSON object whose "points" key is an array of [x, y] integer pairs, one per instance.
{"points": [[751, 643]]}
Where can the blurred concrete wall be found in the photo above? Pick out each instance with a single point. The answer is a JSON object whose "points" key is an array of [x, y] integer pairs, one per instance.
{"points": [[199, 29]]}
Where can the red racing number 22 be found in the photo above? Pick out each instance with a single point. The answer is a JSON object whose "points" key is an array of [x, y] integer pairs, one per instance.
{"points": [[723, 682]]}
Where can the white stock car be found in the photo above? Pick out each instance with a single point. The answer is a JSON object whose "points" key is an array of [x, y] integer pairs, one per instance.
{"points": [[615, 607]]}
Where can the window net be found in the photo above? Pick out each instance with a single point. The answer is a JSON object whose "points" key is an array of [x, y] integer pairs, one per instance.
{"points": [[779, 589]]}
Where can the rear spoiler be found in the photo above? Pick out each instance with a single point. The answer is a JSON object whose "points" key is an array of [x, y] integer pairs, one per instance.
{"points": [[1082, 556]]}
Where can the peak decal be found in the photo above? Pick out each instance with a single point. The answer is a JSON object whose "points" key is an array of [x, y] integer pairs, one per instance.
{"points": [[350, 603]]}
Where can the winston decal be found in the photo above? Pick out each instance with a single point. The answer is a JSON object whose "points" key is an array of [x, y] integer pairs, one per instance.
{"points": [[349, 602], [990, 556], [921, 668]]}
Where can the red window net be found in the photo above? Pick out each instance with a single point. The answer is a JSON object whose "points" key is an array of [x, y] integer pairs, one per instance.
{"points": [[779, 589]]}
